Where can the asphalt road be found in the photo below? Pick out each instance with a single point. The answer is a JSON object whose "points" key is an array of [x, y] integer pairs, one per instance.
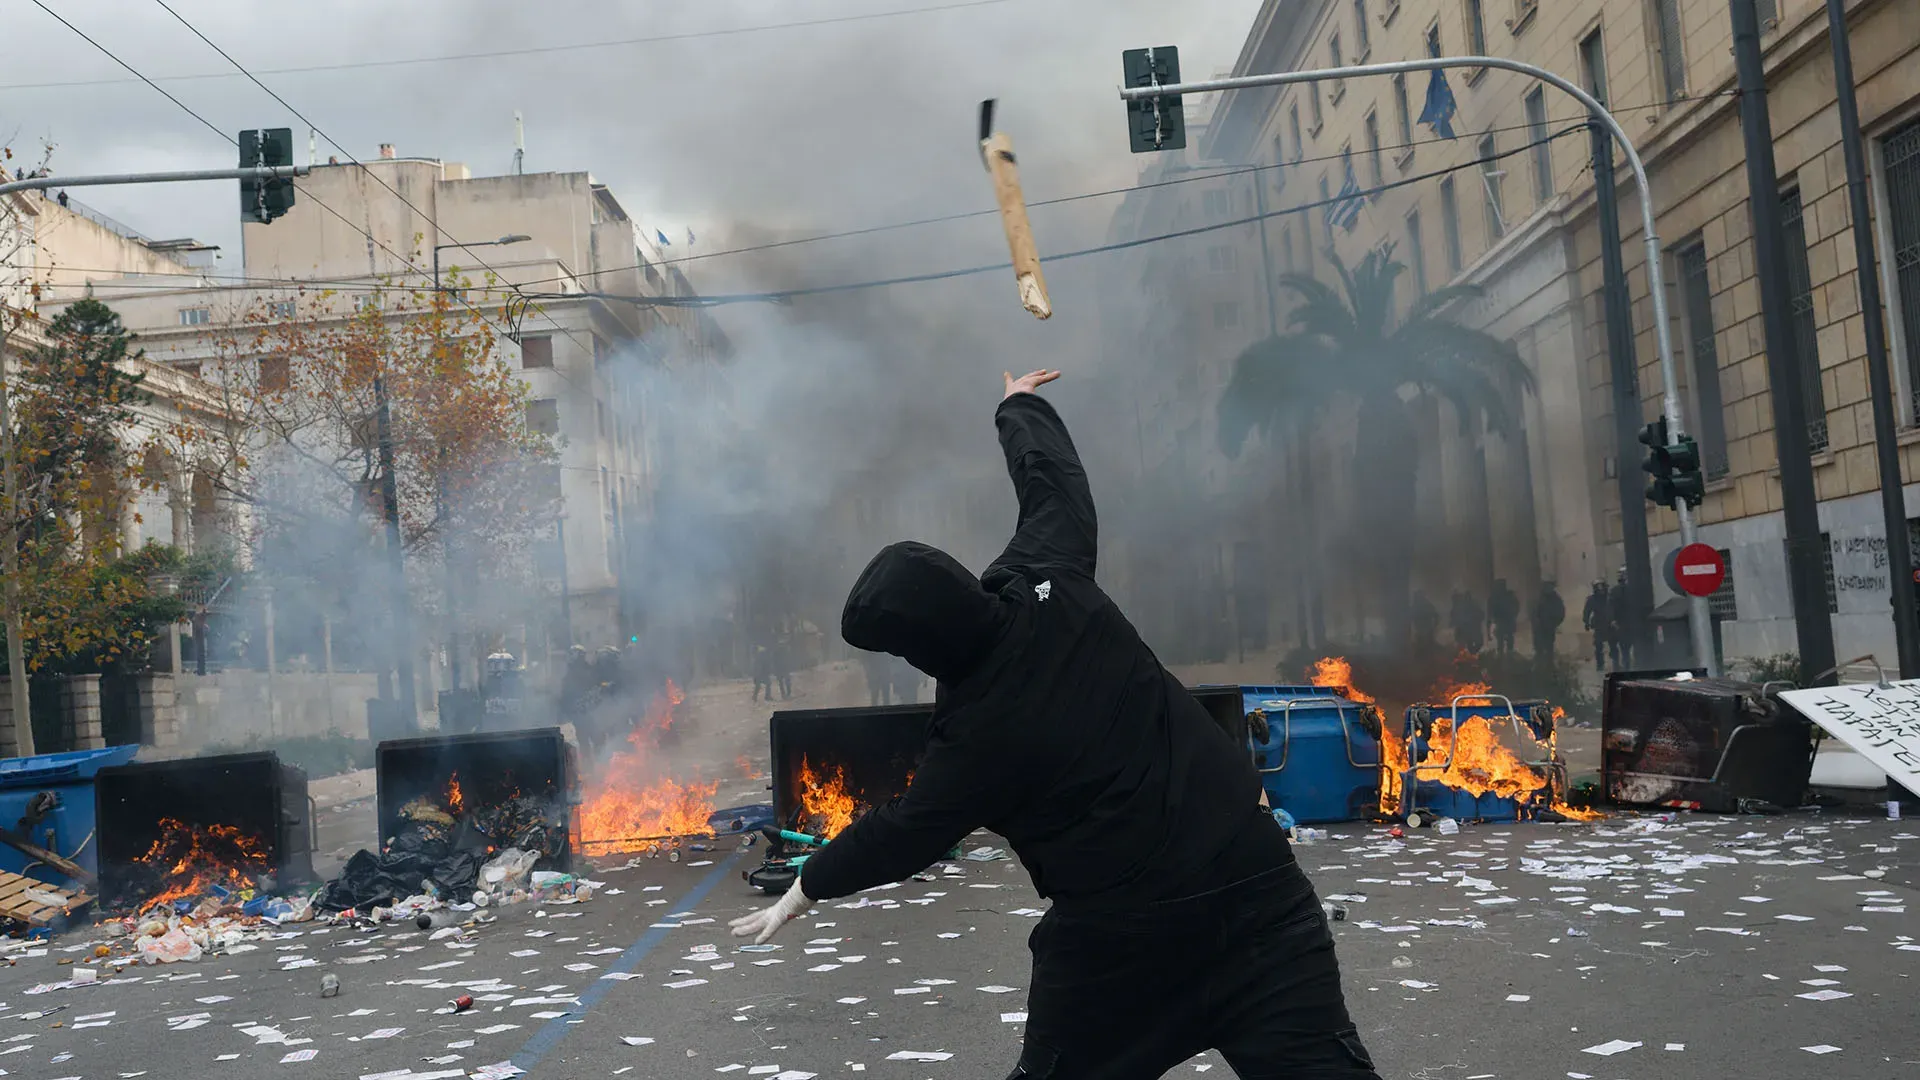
{"points": [[1714, 946]]}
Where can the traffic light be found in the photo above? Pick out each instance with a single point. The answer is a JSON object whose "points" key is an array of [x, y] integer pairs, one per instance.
{"points": [[263, 200], [1674, 466], [1157, 123]]}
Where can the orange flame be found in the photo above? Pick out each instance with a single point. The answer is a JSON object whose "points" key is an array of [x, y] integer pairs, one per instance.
{"points": [[1334, 671], [196, 859], [746, 768], [456, 799], [825, 804], [630, 805]]}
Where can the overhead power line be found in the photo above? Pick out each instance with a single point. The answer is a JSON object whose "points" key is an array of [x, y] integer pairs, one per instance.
{"points": [[533, 50]]}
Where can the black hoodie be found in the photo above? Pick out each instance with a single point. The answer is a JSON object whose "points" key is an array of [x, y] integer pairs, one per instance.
{"points": [[1054, 725]]}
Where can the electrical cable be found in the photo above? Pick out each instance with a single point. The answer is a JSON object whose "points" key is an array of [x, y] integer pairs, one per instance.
{"points": [[1122, 245]]}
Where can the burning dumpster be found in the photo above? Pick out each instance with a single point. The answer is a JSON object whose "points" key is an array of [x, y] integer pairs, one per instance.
{"points": [[1318, 753], [183, 828], [1479, 758], [832, 765], [1702, 744], [502, 784]]}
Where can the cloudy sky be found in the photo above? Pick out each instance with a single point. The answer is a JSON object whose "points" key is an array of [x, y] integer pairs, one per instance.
{"points": [[832, 114]]}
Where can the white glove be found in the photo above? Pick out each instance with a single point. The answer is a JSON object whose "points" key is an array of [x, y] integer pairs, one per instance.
{"points": [[762, 925]]}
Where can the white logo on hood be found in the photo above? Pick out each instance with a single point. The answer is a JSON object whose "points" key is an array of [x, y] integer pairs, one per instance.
{"points": [[1043, 590]]}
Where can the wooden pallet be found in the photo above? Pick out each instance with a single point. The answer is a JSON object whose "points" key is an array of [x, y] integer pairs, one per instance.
{"points": [[16, 905]]}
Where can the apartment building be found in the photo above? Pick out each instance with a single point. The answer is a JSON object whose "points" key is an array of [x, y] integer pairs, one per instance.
{"points": [[580, 332], [1508, 205]]}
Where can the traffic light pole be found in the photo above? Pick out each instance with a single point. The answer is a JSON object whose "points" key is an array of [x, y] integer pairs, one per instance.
{"points": [[1697, 618], [259, 172]]}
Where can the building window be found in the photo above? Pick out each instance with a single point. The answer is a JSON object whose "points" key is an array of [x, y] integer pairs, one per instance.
{"points": [[1217, 203], [280, 309], [276, 374], [1433, 40], [1492, 176], [195, 316], [1450, 226], [1362, 34], [1402, 113], [1542, 152], [1769, 13], [1326, 203], [1724, 604], [1223, 258], [1593, 65], [1900, 159], [367, 302], [1226, 315], [1806, 346], [536, 352], [1338, 60], [1709, 422], [543, 416], [1476, 28], [1417, 253], [1314, 107], [1669, 44], [1376, 174], [1279, 161], [1306, 247], [1293, 126]]}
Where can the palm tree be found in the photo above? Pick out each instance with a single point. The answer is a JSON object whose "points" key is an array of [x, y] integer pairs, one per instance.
{"points": [[1348, 346]]}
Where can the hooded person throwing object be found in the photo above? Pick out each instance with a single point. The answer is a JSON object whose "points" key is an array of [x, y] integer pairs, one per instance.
{"points": [[1180, 921]]}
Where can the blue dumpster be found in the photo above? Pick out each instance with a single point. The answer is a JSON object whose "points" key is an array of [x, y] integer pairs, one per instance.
{"points": [[1436, 788], [48, 799], [1319, 757]]}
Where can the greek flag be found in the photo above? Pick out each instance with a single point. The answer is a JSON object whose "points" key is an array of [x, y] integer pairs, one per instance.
{"points": [[1344, 210], [1440, 107]]}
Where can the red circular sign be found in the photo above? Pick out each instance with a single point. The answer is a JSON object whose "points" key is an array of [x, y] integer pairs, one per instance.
{"points": [[1697, 570]]}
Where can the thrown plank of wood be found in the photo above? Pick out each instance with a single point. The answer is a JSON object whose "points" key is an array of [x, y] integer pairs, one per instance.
{"points": [[997, 150]]}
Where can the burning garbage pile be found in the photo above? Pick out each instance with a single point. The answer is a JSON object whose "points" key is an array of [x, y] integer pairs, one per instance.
{"points": [[632, 807], [187, 865]]}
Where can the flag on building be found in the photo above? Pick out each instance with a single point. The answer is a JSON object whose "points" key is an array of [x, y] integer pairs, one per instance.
{"points": [[662, 237], [1440, 107], [1344, 210], [689, 236]]}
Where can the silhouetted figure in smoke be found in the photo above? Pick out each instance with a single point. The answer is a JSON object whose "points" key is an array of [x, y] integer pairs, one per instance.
{"points": [[760, 659], [1426, 623], [783, 661], [1503, 615], [1621, 609], [1549, 611], [906, 683], [1469, 622], [1180, 920], [577, 689], [1597, 618], [879, 671]]}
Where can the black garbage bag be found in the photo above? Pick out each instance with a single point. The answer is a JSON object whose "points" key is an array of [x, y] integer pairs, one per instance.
{"points": [[417, 855]]}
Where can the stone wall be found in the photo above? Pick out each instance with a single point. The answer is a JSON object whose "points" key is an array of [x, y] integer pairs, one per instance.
{"points": [[235, 705]]}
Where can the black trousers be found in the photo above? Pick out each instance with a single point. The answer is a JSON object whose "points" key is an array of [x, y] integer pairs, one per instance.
{"points": [[1248, 970]]}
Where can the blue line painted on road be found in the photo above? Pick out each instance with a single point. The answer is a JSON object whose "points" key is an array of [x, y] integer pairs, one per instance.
{"points": [[542, 1042]]}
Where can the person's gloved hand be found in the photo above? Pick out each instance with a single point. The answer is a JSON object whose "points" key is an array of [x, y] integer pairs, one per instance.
{"points": [[762, 925]]}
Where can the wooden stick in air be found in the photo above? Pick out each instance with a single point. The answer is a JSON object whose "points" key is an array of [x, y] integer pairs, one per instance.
{"points": [[1013, 214]]}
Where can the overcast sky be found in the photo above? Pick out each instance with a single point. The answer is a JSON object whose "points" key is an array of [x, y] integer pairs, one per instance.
{"points": [[813, 128]]}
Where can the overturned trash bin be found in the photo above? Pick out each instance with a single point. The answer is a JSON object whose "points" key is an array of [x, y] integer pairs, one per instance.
{"points": [[231, 821], [1702, 744], [1318, 753], [47, 800], [1481, 757]]}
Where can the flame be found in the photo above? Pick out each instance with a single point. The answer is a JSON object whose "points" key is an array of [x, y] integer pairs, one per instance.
{"points": [[1334, 671], [456, 799], [825, 803], [630, 805], [746, 768], [196, 859]]}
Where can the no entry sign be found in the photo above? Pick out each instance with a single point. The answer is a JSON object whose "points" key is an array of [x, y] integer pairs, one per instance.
{"points": [[1696, 570]]}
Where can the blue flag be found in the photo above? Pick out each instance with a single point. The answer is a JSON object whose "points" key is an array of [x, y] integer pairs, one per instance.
{"points": [[1440, 107], [689, 236], [662, 237], [1344, 210]]}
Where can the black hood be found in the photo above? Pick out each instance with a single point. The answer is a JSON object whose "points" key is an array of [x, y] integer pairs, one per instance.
{"points": [[920, 604]]}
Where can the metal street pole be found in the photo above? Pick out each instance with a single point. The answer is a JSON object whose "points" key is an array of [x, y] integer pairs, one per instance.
{"points": [[402, 642], [257, 172], [1624, 372], [1697, 618], [1799, 504], [1893, 503]]}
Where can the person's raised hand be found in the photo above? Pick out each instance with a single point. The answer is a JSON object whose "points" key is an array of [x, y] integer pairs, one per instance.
{"points": [[1028, 383]]}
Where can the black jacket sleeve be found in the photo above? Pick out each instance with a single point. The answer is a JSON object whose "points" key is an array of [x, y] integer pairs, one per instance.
{"points": [[956, 789], [1057, 529]]}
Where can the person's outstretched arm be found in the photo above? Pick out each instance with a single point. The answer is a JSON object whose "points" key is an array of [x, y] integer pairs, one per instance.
{"points": [[1057, 527]]}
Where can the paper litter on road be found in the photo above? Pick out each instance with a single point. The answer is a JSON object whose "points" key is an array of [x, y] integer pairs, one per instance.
{"points": [[999, 989], [636, 1040], [919, 1055], [1611, 1047], [1676, 1046], [1519, 997], [1825, 995], [684, 983], [622, 976], [1823, 1048], [494, 1030], [1013, 1018], [300, 1055]]}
